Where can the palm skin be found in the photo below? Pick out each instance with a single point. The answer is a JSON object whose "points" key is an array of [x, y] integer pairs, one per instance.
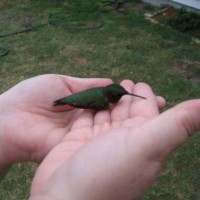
{"points": [[30, 125]]}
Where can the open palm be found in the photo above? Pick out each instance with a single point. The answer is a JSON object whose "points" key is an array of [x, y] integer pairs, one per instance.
{"points": [[31, 126]]}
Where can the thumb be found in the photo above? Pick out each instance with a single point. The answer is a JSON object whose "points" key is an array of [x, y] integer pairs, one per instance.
{"points": [[79, 84], [172, 129]]}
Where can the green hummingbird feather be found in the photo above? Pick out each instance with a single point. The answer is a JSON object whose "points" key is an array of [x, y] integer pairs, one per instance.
{"points": [[87, 99], [98, 98]]}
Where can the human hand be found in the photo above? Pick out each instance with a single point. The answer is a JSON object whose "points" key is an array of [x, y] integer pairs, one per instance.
{"points": [[115, 154], [30, 126]]}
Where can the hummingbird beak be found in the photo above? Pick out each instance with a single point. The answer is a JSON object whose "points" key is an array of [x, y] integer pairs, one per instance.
{"points": [[135, 95]]}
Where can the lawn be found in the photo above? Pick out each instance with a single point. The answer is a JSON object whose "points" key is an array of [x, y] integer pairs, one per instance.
{"points": [[93, 39]]}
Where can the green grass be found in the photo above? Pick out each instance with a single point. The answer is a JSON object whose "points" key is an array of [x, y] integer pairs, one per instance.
{"points": [[126, 46]]}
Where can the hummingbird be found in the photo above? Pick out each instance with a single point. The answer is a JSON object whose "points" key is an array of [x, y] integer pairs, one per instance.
{"points": [[98, 98]]}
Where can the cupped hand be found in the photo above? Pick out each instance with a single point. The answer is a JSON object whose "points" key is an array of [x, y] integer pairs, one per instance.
{"points": [[117, 153], [30, 126]]}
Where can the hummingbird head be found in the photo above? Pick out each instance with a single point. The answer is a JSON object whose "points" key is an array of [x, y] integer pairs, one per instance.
{"points": [[114, 92]]}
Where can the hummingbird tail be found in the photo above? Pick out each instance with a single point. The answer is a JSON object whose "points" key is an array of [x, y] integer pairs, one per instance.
{"points": [[58, 103]]}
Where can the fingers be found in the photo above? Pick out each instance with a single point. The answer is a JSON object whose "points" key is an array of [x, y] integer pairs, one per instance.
{"points": [[132, 107], [161, 102], [79, 84], [171, 129], [84, 119], [146, 108], [121, 111], [102, 117]]}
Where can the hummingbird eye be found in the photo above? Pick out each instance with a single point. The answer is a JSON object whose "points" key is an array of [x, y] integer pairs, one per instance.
{"points": [[114, 92], [113, 97]]}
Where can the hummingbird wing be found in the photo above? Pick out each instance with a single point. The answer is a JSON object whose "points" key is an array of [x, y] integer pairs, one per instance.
{"points": [[98, 105], [88, 99]]}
